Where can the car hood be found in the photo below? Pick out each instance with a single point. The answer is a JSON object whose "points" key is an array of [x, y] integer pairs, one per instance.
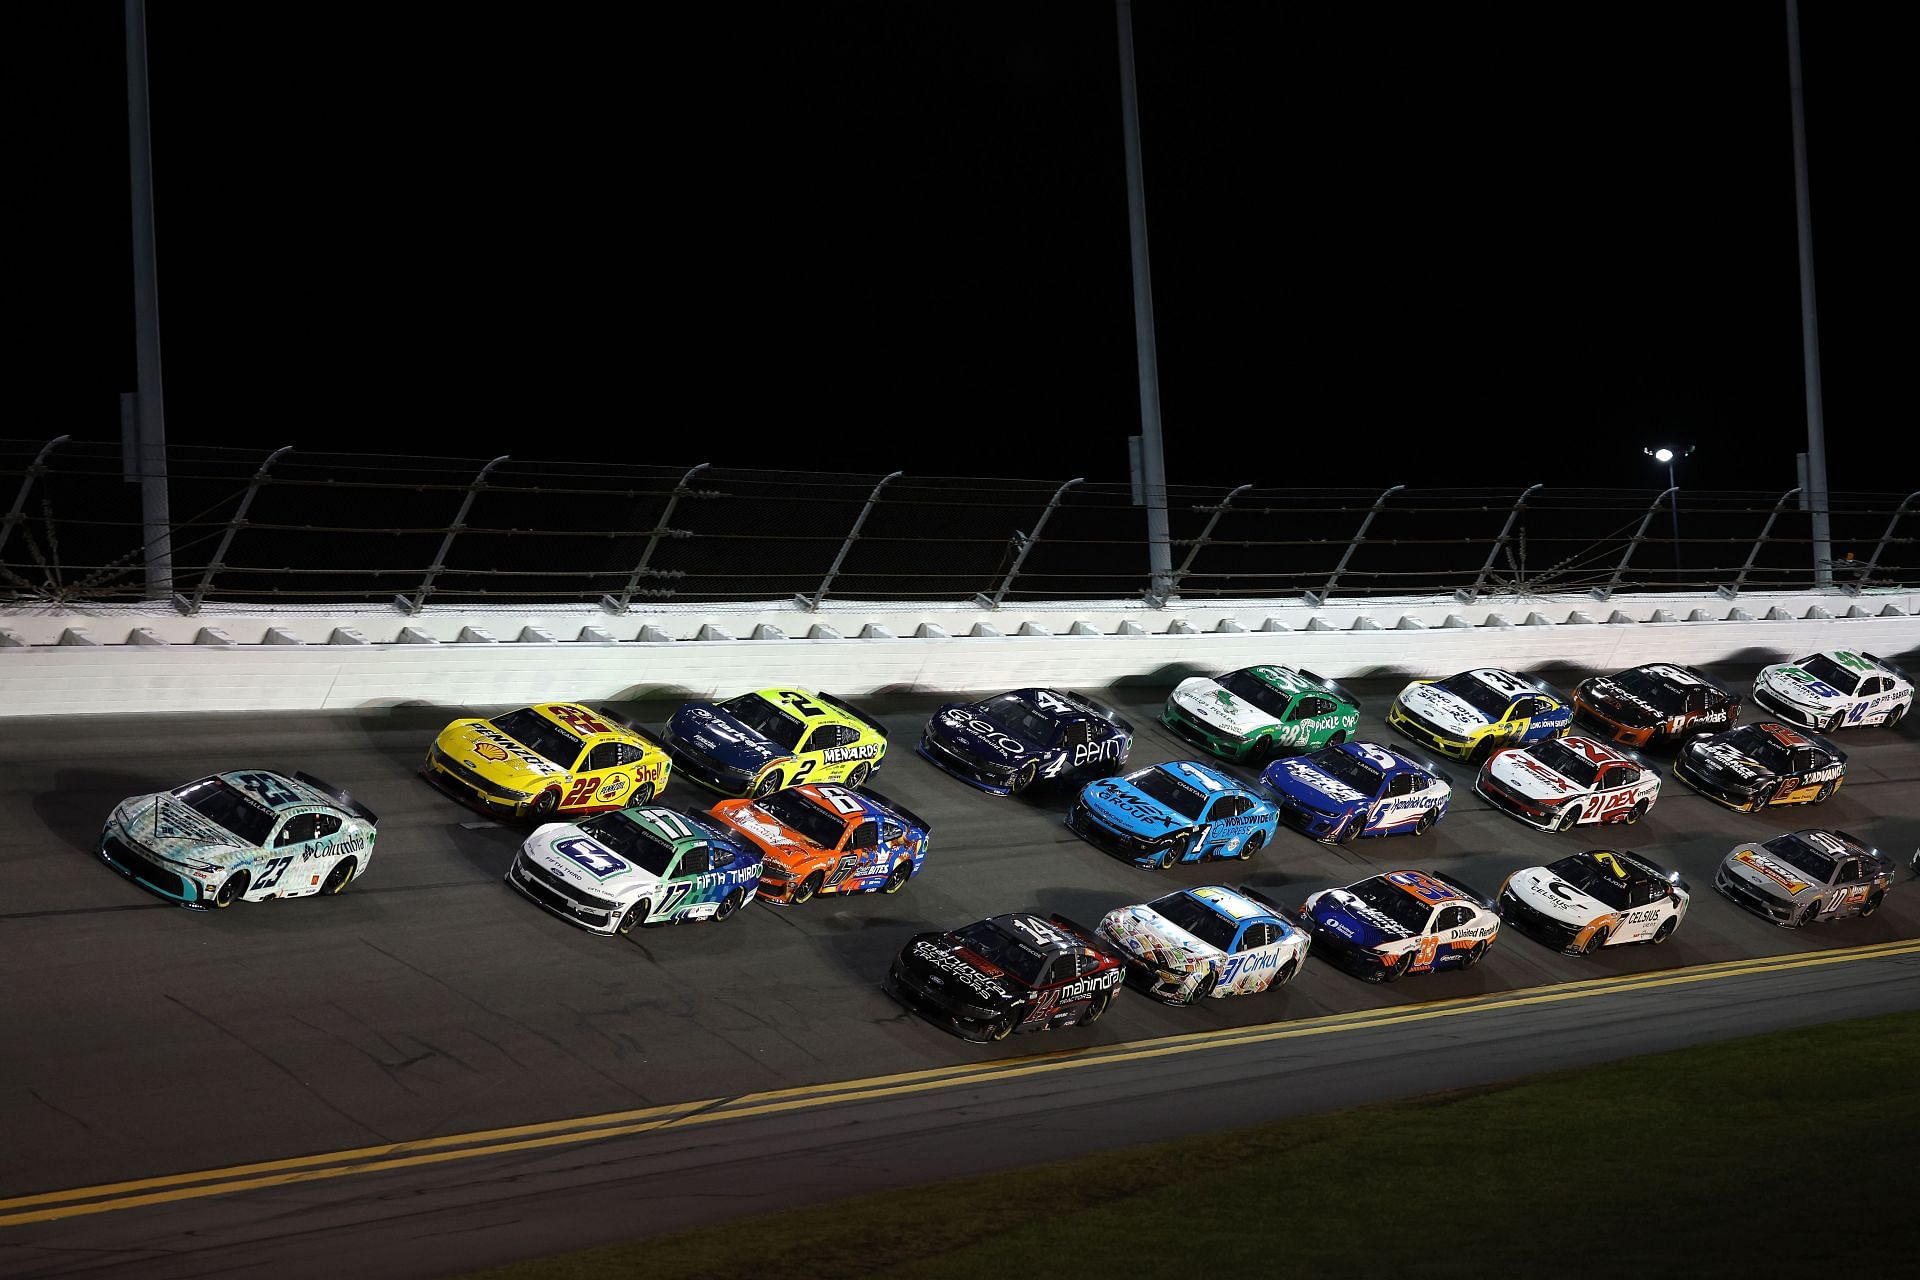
{"points": [[780, 845], [1450, 711], [1754, 866], [1553, 897], [171, 829], [1521, 773], [718, 736], [1301, 779], [1126, 808], [1354, 920], [963, 729], [1797, 685], [1602, 694], [941, 960], [1205, 701], [540, 849], [1721, 760], [477, 746], [1153, 939]]}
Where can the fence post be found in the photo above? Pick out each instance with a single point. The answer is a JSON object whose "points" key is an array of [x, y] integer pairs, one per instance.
{"points": [[419, 601], [1180, 574], [660, 530], [853, 535], [1026, 544], [1315, 599], [35, 470], [219, 561], [1472, 593], [1753, 552], [1874, 564], [1639, 536]]}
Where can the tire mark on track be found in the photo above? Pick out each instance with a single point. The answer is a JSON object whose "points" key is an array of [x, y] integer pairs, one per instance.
{"points": [[279, 1066]]}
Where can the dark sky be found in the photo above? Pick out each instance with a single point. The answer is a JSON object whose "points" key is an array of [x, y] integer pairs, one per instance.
{"points": [[1390, 243]]}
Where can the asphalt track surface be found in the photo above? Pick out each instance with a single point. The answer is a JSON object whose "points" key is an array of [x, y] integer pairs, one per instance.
{"points": [[368, 1050]]}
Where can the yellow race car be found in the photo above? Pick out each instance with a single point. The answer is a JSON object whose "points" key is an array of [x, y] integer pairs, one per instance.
{"points": [[761, 742], [1471, 715], [558, 757]]}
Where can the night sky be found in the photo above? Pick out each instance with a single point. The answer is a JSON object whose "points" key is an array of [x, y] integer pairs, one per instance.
{"points": [[1390, 243]]}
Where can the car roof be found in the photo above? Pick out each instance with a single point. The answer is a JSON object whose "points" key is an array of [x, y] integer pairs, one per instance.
{"points": [[1041, 934], [1206, 779], [305, 796], [615, 730], [1634, 870], [1228, 905], [1782, 734], [1370, 752], [1423, 888], [1503, 681], [671, 826]]}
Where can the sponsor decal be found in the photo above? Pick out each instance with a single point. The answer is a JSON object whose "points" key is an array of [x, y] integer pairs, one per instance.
{"points": [[858, 751], [1783, 876], [1086, 753], [490, 751], [538, 763], [614, 787], [1092, 983], [962, 972]]}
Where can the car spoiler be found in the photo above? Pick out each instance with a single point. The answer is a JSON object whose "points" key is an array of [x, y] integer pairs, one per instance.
{"points": [[1096, 707], [1087, 936], [1541, 686], [1825, 744], [1249, 892], [339, 796], [893, 806], [1426, 764], [1708, 680], [1457, 883], [1887, 664], [1331, 686], [865, 717]]}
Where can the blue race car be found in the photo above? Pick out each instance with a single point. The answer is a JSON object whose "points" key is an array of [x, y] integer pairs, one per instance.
{"points": [[1359, 789], [1402, 922], [1178, 812], [1008, 742]]}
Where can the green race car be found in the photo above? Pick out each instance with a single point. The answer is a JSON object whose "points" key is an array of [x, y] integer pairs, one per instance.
{"points": [[1260, 712]]}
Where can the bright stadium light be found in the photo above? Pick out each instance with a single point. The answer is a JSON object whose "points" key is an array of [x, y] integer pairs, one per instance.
{"points": [[1666, 458], [1663, 455]]}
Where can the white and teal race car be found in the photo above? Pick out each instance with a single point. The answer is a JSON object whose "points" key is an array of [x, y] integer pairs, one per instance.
{"points": [[1837, 689], [252, 834], [631, 867]]}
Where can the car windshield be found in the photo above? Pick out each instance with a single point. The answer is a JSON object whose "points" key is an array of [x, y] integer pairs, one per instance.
{"points": [[1336, 763], [1025, 722], [996, 946], [630, 840], [1159, 785], [1662, 695], [540, 735], [1184, 911], [1395, 903], [1797, 852], [1821, 667], [1483, 697], [218, 801], [1762, 747], [1585, 873], [1565, 761], [1248, 687], [765, 719], [803, 817]]}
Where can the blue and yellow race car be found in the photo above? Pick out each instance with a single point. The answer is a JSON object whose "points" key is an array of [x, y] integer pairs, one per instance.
{"points": [[1466, 716], [1183, 811]]}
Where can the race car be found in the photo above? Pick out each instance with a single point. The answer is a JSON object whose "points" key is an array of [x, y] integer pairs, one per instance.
{"points": [[1837, 689], [1008, 973], [1183, 811], [1762, 764], [1010, 741], [1211, 941], [1387, 926], [822, 838], [637, 866], [1601, 898], [1563, 783], [1467, 715], [1653, 705], [1796, 879], [547, 759], [1256, 713], [1359, 789], [760, 742], [252, 834]]}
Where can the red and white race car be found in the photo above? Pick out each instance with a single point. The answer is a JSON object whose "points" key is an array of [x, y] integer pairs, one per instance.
{"points": [[1562, 783]]}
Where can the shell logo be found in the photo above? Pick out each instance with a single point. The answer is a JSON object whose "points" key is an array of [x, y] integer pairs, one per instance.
{"points": [[490, 751]]}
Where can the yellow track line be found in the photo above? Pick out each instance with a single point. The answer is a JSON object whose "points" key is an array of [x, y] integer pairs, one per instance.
{"points": [[50, 1206]]}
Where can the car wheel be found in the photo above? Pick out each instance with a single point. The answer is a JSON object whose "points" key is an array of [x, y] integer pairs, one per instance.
{"points": [[635, 914], [1636, 813], [544, 804], [1474, 956], [1426, 822], [1096, 1007], [1665, 930], [1761, 799], [1895, 716], [729, 904], [1251, 845], [1395, 971], [1288, 972], [1336, 739], [1833, 725], [1351, 832], [768, 785], [1569, 819], [1597, 941], [1203, 988], [1871, 905], [1479, 752], [807, 888], [230, 892], [338, 877], [858, 774], [898, 877], [1825, 791], [1000, 1028], [1024, 778], [1806, 917], [1167, 858], [642, 794]]}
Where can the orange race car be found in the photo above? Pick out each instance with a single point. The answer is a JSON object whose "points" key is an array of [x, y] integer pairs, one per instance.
{"points": [[824, 838]]}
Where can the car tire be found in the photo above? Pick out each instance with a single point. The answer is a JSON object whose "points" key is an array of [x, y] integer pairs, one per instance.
{"points": [[1394, 972], [1597, 941], [1761, 800], [642, 794], [898, 877], [1095, 1007], [999, 1029], [1337, 739], [1833, 725], [1478, 753], [1570, 818], [1823, 794], [1636, 813], [1894, 717], [1288, 972], [544, 804], [1024, 777], [1251, 845], [805, 890], [231, 889], [858, 775], [1807, 916], [634, 915], [1426, 822], [1475, 955], [1351, 831], [1203, 988], [1871, 905], [1167, 858], [338, 878], [768, 784], [730, 904], [1664, 932]]}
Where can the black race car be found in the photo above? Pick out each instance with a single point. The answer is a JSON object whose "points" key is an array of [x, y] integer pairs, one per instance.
{"points": [[1658, 704], [1008, 973], [1010, 741], [1762, 764]]}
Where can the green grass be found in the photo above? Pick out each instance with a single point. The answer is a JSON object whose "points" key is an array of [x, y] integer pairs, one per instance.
{"points": [[1789, 1152]]}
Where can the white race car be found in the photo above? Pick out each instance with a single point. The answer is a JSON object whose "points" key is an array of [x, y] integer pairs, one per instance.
{"points": [[637, 866], [1210, 941], [1567, 782], [1601, 898], [1837, 689]]}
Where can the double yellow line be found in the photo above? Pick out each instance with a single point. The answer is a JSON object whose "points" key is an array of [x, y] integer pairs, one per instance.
{"points": [[79, 1201]]}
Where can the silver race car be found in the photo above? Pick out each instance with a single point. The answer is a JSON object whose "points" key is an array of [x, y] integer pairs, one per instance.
{"points": [[1796, 879]]}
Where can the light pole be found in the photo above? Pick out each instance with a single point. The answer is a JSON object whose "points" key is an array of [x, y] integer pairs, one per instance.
{"points": [[1666, 457]]}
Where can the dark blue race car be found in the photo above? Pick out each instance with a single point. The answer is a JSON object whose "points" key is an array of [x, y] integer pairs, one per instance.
{"points": [[1359, 789], [1010, 741], [1184, 811]]}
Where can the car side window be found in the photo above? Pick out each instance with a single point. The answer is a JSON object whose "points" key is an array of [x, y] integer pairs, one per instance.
{"points": [[298, 830], [1401, 785], [1453, 917], [1849, 872], [604, 756], [324, 825], [1077, 734], [1802, 760], [1255, 936], [1230, 806], [1625, 775], [891, 832], [1695, 700], [695, 862], [629, 753], [862, 836]]}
